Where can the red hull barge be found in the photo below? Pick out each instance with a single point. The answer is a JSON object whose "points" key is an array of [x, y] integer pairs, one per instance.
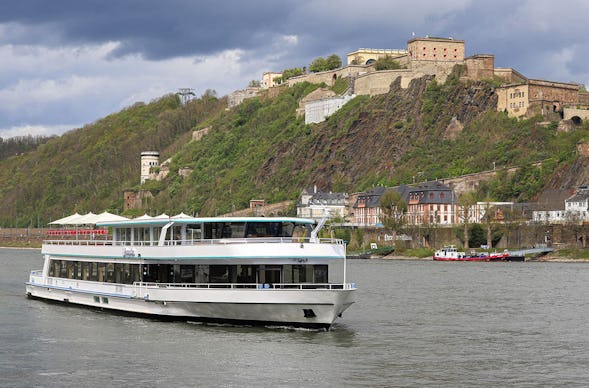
{"points": [[450, 253]]}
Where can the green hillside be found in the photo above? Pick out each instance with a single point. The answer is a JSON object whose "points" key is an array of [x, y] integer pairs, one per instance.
{"points": [[260, 149]]}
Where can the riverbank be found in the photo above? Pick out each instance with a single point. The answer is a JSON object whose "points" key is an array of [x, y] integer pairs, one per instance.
{"points": [[547, 258]]}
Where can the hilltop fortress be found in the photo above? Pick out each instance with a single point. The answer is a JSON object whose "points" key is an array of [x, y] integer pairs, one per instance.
{"points": [[517, 95]]}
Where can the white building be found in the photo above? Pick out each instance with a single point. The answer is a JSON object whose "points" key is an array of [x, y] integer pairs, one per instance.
{"points": [[316, 204], [576, 209], [149, 159], [317, 111]]}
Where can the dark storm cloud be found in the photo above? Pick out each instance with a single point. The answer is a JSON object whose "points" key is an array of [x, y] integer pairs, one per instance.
{"points": [[153, 29], [74, 61]]}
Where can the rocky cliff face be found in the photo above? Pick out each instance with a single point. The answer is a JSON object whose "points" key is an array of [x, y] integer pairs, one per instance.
{"points": [[570, 176], [369, 138]]}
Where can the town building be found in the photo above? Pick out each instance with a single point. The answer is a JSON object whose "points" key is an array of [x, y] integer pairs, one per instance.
{"points": [[431, 203], [576, 210], [316, 204], [428, 203], [366, 209]]}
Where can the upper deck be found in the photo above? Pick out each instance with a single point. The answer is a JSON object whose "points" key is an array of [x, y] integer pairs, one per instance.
{"points": [[198, 237]]}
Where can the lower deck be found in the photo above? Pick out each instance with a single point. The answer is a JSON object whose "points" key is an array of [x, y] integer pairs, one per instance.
{"points": [[129, 273]]}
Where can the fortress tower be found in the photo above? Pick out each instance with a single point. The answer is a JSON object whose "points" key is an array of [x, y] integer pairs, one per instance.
{"points": [[149, 159]]}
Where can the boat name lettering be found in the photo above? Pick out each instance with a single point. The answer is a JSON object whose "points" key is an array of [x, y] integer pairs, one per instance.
{"points": [[129, 252]]}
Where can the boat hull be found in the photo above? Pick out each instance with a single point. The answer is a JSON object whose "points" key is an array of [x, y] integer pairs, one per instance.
{"points": [[479, 258], [316, 308]]}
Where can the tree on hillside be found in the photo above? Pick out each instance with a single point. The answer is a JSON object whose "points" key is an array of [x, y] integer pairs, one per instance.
{"points": [[289, 73], [209, 93], [393, 208], [387, 63], [323, 64]]}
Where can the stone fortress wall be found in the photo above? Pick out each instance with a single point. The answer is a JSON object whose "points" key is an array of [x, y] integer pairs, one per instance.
{"points": [[431, 56]]}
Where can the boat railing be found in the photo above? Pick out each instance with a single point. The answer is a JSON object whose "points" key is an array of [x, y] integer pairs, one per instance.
{"points": [[258, 286], [223, 241]]}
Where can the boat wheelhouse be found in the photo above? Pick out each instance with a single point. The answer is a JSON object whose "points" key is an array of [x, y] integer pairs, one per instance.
{"points": [[254, 270]]}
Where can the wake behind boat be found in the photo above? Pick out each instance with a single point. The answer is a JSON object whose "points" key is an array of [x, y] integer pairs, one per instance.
{"points": [[252, 270]]}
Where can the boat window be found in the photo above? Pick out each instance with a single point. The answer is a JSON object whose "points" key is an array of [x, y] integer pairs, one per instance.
{"points": [[142, 235], [270, 274], [219, 274], [110, 271], [264, 229], [63, 269], [184, 274], [287, 229], [176, 233], [237, 229], [85, 270], [150, 273], [320, 273], [118, 278], [194, 232], [101, 272], [77, 270], [300, 231], [126, 278], [246, 273], [201, 273], [54, 268], [213, 230], [301, 274], [124, 235], [135, 273], [93, 272]]}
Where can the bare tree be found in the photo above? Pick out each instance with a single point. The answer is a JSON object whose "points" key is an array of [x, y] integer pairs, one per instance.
{"points": [[465, 202]]}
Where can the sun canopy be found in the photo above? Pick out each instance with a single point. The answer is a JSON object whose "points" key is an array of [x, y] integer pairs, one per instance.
{"points": [[144, 217], [181, 215], [69, 220], [108, 217], [88, 219]]}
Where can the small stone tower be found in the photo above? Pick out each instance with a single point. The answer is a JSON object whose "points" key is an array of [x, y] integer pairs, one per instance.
{"points": [[149, 159]]}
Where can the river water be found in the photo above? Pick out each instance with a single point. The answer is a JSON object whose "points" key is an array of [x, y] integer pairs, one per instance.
{"points": [[415, 323]]}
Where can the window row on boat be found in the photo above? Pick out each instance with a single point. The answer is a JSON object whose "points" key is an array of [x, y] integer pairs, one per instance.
{"points": [[214, 231], [128, 273]]}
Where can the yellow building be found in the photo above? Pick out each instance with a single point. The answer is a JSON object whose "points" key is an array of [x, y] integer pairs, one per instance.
{"points": [[268, 79], [366, 56], [533, 97]]}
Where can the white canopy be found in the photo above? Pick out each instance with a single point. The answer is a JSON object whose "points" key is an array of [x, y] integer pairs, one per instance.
{"points": [[83, 220], [144, 217], [88, 219], [181, 215], [108, 217], [69, 220]]}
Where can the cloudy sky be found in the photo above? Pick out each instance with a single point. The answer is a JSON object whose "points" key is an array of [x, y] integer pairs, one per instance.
{"points": [[66, 63]]}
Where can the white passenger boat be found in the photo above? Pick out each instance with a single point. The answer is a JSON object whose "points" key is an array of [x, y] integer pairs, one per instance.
{"points": [[250, 270]]}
